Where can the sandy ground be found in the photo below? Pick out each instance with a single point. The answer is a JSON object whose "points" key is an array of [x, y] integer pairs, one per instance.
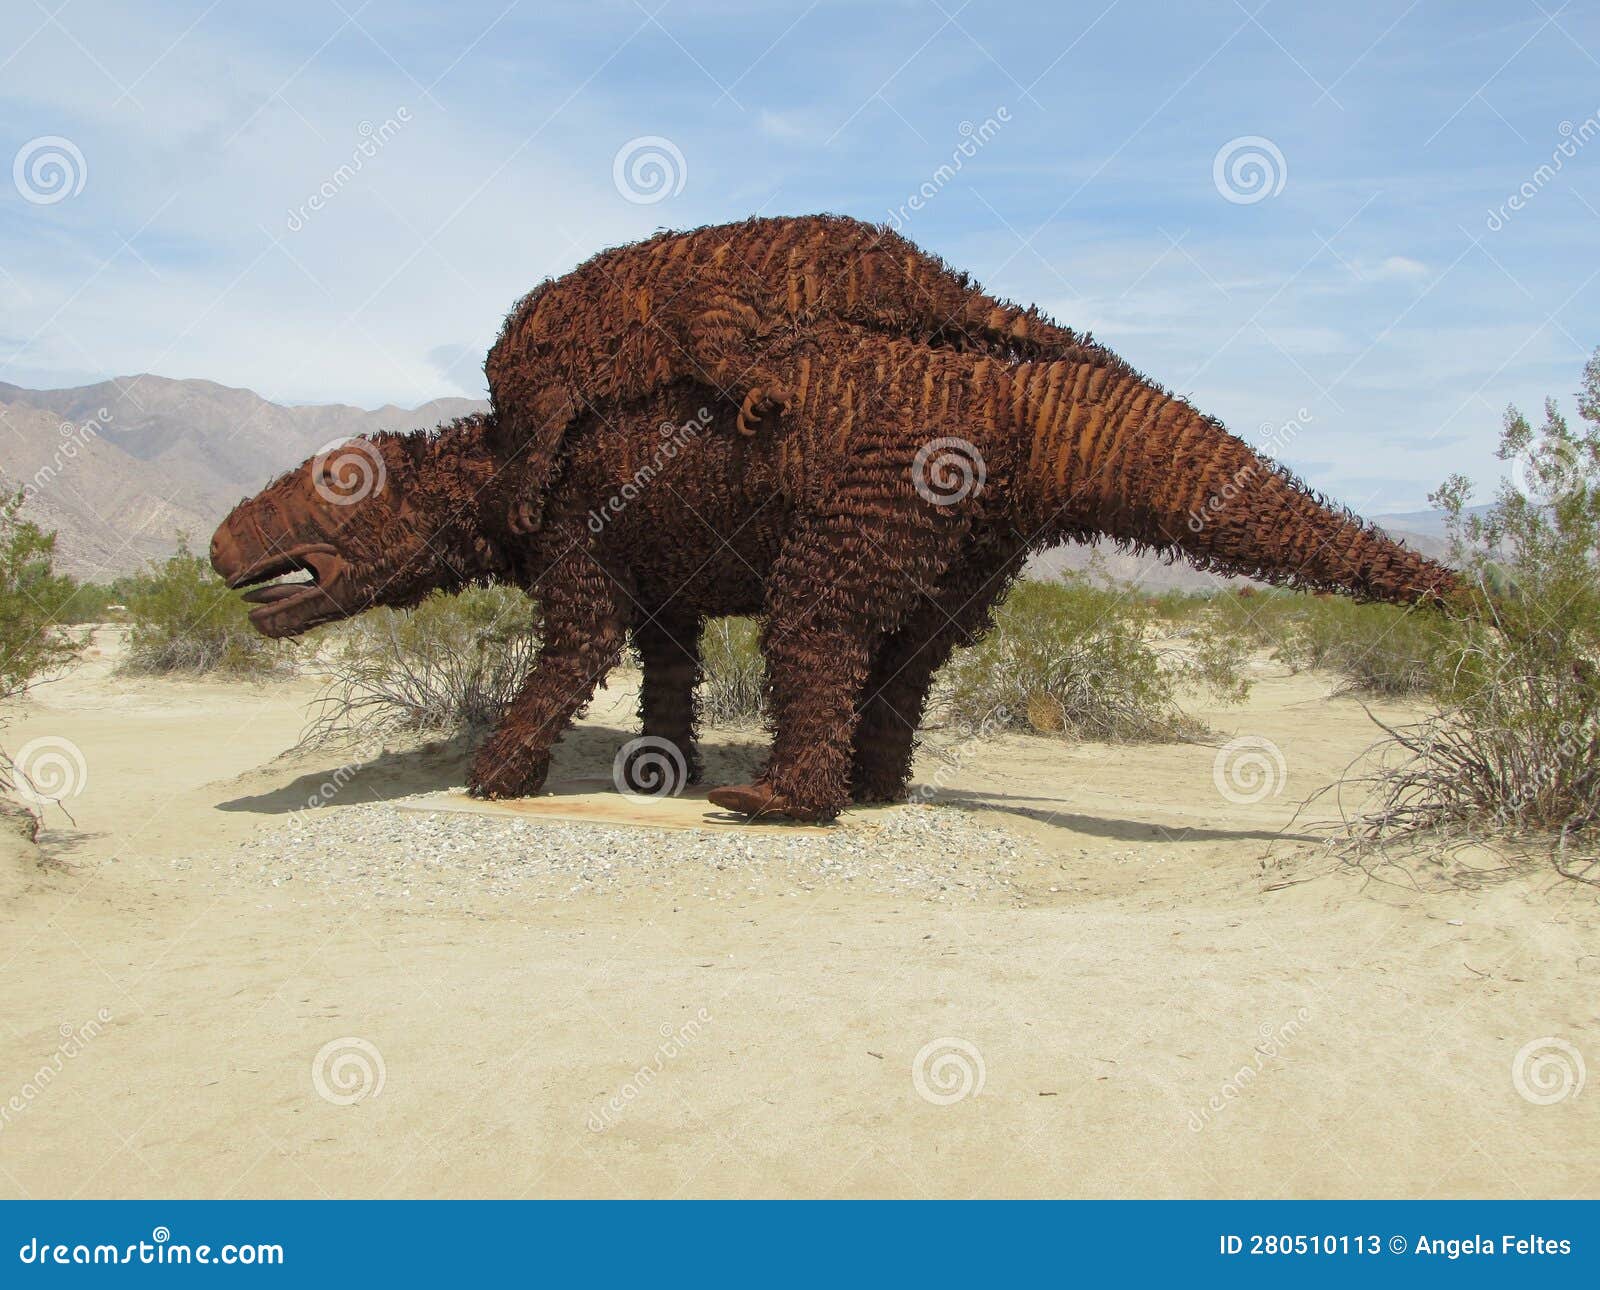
{"points": [[1136, 999]]}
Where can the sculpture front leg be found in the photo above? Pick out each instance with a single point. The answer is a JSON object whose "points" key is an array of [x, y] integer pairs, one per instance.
{"points": [[583, 634]]}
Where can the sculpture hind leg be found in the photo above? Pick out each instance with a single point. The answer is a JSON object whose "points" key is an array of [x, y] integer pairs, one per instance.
{"points": [[669, 650], [584, 620], [896, 693], [846, 576]]}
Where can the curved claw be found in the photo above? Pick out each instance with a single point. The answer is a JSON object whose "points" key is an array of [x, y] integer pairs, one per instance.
{"points": [[757, 403], [524, 518], [749, 800], [758, 800]]}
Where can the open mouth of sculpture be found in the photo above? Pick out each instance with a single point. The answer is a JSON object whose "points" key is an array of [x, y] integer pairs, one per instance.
{"points": [[287, 578]]}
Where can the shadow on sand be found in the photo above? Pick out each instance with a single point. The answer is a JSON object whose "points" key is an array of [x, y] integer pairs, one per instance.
{"points": [[585, 757], [1108, 826]]}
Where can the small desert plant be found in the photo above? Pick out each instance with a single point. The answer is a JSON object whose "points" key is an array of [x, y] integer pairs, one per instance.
{"points": [[1261, 618], [1515, 748], [732, 672], [90, 602], [1175, 607], [450, 666], [1382, 650], [32, 644], [184, 619], [1080, 660], [32, 593]]}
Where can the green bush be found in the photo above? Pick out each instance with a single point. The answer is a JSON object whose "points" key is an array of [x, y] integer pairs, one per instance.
{"points": [[1085, 662], [1176, 607], [450, 666], [1259, 618], [90, 602], [1515, 746], [184, 619], [1385, 650], [732, 672], [32, 642]]}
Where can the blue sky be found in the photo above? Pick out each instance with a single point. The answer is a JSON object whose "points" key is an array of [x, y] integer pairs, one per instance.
{"points": [[1379, 281]]}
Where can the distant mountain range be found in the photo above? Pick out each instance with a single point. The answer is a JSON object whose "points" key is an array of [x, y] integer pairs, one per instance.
{"points": [[119, 468]]}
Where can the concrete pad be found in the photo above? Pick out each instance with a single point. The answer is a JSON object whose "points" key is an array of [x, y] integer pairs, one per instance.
{"points": [[596, 801]]}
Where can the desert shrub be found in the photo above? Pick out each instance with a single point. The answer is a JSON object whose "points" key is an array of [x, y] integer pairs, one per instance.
{"points": [[1515, 746], [183, 618], [449, 666], [1259, 618], [1263, 618], [89, 602], [1175, 607], [1385, 650], [32, 642], [732, 672], [1083, 661]]}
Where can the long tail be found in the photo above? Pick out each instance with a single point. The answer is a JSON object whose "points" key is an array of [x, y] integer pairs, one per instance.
{"points": [[1114, 455]]}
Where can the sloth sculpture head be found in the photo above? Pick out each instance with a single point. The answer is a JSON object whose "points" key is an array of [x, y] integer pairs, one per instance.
{"points": [[365, 522]]}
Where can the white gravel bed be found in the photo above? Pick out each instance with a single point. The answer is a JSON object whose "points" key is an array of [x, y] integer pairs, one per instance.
{"points": [[374, 852]]}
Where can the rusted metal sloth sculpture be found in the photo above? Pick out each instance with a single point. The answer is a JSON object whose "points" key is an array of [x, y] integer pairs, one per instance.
{"points": [[874, 528]]}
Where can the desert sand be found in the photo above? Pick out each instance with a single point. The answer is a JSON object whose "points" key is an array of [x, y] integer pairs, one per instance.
{"points": [[1080, 971]]}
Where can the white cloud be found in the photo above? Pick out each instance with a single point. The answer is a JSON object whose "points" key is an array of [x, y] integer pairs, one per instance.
{"points": [[1399, 266]]}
